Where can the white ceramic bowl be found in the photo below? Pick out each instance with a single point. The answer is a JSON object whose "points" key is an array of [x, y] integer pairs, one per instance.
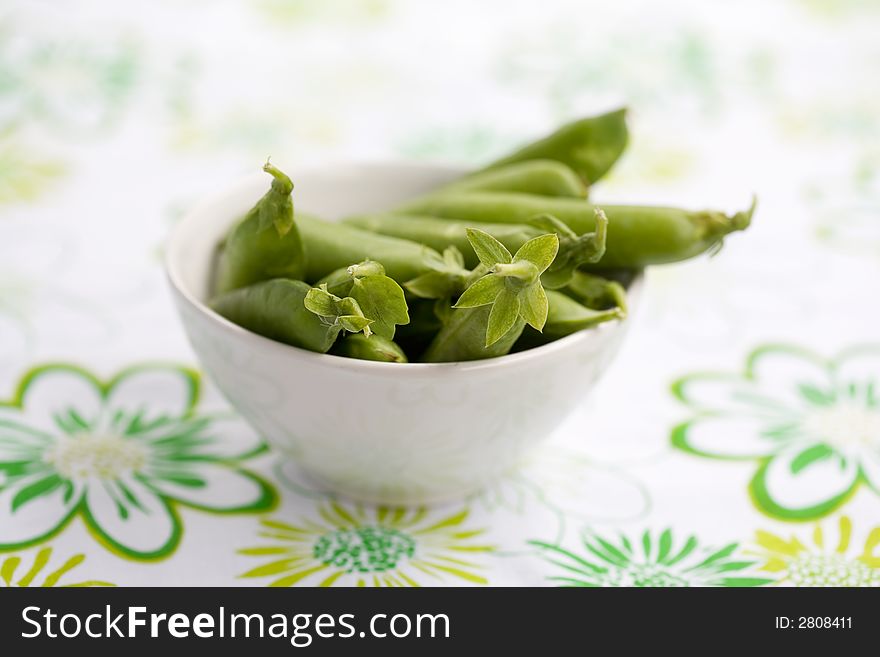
{"points": [[377, 432]]}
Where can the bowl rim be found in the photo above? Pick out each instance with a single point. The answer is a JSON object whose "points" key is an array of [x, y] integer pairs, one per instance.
{"points": [[175, 247]]}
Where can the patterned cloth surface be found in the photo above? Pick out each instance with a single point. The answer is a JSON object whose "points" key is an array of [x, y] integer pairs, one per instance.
{"points": [[736, 438]]}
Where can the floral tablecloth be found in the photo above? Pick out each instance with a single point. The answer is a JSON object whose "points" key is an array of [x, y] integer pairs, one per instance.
{"points": [[736, 439]]}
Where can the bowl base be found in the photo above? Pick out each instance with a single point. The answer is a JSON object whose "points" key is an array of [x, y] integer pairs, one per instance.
{"points": [[408, 499]]}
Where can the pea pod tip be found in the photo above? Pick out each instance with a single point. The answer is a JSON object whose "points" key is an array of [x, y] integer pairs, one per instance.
{"points": [[280, 180], [742, 220]]}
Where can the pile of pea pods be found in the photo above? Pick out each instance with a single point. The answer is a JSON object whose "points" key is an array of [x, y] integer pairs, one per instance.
{"points": [[507, 258]]}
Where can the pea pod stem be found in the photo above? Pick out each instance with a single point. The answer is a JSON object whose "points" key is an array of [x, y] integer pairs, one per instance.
{"points": [[637, 235], [574, 250], [380, 296], [281, 183]]}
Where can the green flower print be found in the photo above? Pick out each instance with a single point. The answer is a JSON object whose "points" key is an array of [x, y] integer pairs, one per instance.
{"points": [[558, 65], [72, 87], [851, 229], [648, 561], [813, 426], [563, 484], [839, 9], [120, 455], [455, 143], [24, 177], [819, 561], [301, 12], [11, 575], [354, 546], [36, 303]]}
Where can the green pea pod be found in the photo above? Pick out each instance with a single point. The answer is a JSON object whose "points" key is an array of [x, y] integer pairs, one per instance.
{"points": [[637, 235], [441, 233], [574, 250], [622, 275], [597, 292], [426, 317], [463, 337], [589, 146], [490, 315], [333, 246], [265, 243], [277, 309], [375, 347], [566, 316], [541, 177], [379, 296]]}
